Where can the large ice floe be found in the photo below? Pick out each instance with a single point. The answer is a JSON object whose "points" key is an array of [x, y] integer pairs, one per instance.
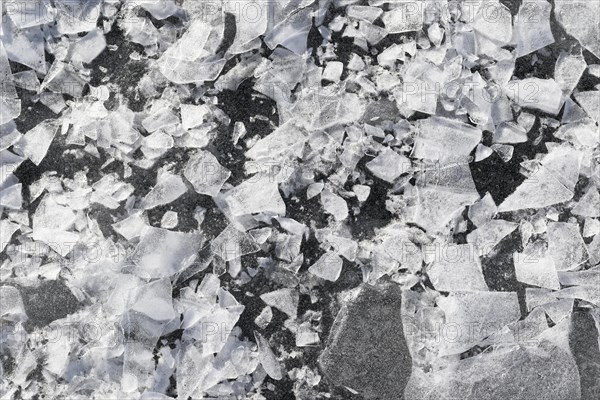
{"points": [[309, 199]]}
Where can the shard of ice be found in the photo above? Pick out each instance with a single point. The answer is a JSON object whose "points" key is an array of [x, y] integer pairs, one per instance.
{"points": [[285, 300], [205, 173], [328, 267], [474, 316], [539, 94], [535, 266], [566, 246], [163, 253], [445, 140], [256, 195], [553, 182], [457, 268], [169, 187], [532, 26], [580, 19]]}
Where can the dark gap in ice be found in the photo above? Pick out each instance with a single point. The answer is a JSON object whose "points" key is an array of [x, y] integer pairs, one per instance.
{"points": [[49, 301], [499, 271], [583, 341]]}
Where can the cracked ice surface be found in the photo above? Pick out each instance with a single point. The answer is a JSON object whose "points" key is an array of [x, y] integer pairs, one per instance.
{"points": [[310, 199]]}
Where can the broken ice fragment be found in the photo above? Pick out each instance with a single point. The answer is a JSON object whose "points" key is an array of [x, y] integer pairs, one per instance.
{"points": [[286, 137], [535, 266], [255, 196], [589, 204], [205, 173], [11, 197], [193, 115], [590, 102], [285, 300], [388, 165], [553, 182], [169, 187], [267, 358], [445, 140], [482, 152], [334, 205], [169, 220], [314, 189], [566, 246], [162, 253], [86, 49], [333, 71], [418, 95], [568, 71], [36, 142], [362, 192], [509, 132], [538, 94], [475, 316], [264, 318], [406, 16], [233, 243], [328, 267], [7, 229], [532, 26], [482, 210], [504, 151], [12, 304], [457, 268], [487, 236], [580, 19]]}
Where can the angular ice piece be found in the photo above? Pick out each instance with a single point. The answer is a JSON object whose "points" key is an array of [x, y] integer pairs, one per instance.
{"points": [[169, 220], [418, 95], [406, 16], [154, 300], [7, 229], [11, 197], [292, 32], [498, 27], [285, 300], [572, 112], [36, 142], [280, 141], [86, 49], [482, 152], [267, 359], [264, 318], [445, 139], [575, 278], [36, 12], [193, 368], [334, 205], [457, 268], [532, 26], [534, 266], [443, 193], [362, 192], [487, 236], [552, 183], [538, 94], [508, 372], [365, 13], [590, 102], [333, 71], [584, 132], [77, 16], [505, 151], [589, 204], [388, 165], [193, 115], [255, 196], [589, 293], [328, 267], [110, 191], [10, 105], [233, 243], [566, 246], [25, 46], [314, 189], [509, 132], [591, 227], [482, 210], [205, 173], [163, 253], [568, 71], [131, 227], [12, 303], [169, 187], [51, 215], [470, 317], [594, 250], [580, 19]]}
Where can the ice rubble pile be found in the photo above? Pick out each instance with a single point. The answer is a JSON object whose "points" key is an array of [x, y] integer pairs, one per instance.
{"points": [[367, 96]]}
